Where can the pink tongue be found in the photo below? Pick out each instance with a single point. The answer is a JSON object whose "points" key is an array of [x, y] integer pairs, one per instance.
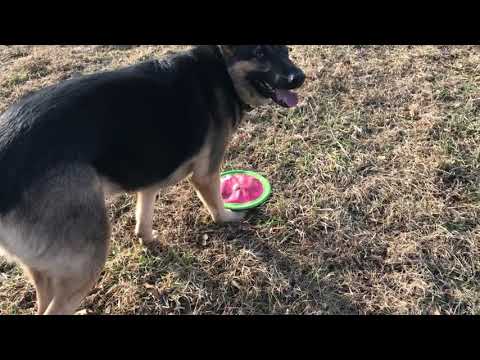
{"points": [[288, 97], [240, 189]]}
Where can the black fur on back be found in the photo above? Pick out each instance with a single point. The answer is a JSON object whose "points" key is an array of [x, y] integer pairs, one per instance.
{"points": [[135, 125]]}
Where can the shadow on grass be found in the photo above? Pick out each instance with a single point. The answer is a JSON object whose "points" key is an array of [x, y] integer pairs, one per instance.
{"points": [[309, 290]]}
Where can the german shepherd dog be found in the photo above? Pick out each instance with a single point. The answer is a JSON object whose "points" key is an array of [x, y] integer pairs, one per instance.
{"points": [[137, 129]]}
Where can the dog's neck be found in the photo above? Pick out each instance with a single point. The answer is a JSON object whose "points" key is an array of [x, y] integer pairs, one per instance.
{"points": [[244, 107]]}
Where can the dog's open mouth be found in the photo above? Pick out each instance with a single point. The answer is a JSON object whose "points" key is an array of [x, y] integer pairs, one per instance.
{"points": [[282, 97]]}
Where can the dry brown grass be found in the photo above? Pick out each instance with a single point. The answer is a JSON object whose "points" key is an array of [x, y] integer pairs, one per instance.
{"points": [[376, 204]]}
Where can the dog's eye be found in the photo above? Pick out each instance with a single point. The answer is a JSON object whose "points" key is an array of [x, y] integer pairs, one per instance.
{"points": [[259, 53]]}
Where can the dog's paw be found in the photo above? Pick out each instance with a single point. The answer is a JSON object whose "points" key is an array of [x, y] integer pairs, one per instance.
{"points": [[229, 216], [146, 237]]}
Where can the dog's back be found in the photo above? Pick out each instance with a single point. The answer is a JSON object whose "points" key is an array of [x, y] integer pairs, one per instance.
{"points": [[127, 119], [134, 118]]}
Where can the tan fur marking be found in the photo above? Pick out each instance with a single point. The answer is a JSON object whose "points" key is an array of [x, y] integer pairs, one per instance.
{"points": [[144, 215], [238, 72]]}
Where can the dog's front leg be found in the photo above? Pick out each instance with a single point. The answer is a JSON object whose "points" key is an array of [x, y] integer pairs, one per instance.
{"points": [[208, 190], [144, 215]]}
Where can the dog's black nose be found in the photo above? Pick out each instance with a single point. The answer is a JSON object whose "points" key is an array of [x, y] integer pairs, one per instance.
{"points": [[296, 78]]}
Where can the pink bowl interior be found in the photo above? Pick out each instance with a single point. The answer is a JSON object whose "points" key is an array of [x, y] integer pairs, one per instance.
{"points": [[240, 188]]}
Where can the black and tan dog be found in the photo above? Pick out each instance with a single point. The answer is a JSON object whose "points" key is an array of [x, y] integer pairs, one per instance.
{"points": [[138, 129]]}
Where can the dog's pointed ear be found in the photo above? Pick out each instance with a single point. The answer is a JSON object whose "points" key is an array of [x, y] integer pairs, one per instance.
{"points": [[227, 50]]}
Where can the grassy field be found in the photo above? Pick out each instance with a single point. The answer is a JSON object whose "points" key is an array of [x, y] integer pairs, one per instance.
{"points": [[376, 203]]}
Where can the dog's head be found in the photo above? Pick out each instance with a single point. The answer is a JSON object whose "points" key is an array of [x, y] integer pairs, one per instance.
{"points": [[261, 73]]}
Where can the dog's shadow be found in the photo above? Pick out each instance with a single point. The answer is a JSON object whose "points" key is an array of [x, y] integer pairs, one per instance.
{"points": [[308, 290]]}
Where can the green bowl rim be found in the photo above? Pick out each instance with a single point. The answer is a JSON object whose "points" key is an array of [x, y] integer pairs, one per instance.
{"points": [[267, 190]]}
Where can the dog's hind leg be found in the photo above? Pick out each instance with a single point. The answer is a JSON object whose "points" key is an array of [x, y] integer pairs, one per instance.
{"points": [[67, 287], [60, 295], [43, 287], [59, 233], [68, 292]]}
